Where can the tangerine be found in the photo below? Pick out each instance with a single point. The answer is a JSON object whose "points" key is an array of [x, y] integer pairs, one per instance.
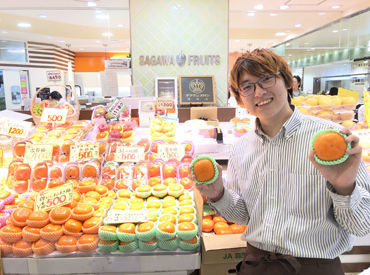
{"points": [[73, 226], [207, 225], [145, 227], [237, 228], [330, 146], [127, 228], [203, 169], [168, 227]]}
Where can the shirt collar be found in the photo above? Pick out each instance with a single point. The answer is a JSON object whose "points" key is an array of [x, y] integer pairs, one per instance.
{"points": [[288, 129]]}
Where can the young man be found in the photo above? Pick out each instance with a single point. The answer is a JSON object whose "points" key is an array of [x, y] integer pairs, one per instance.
{"points": [[297, 85], [300, 214]]}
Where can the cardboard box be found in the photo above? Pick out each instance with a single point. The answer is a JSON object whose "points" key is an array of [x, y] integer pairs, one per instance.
{"points": [[221, 253]]}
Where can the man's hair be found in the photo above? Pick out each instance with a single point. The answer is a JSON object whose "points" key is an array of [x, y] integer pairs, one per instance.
{"points": [[259, 63]]}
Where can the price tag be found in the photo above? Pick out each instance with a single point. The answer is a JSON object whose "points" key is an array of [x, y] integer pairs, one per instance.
{"points": [[115, 108], [171, 151], [54, 115], [164, 103], [122, 216], [129, 154], [84, 151], [51, 198], [38, 153], [16, 128]]}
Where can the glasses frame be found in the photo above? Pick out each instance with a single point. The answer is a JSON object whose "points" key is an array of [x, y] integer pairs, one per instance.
{"points": [[258, 82]]}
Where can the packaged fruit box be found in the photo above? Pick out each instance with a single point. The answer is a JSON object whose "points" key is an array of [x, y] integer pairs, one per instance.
{"points": [[163, 129]]}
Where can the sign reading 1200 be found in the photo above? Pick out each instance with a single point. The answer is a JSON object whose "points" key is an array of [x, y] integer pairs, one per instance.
{"points": [[181, 59]]}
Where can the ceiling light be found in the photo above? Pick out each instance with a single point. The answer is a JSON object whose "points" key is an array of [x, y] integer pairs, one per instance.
{"points": [[298, 25], [335, 7], [289, 54], [91, 4], [120, 26], [284, 7], [335, 30], [24, 25], [344, 30], [43, 16], [258, 7], [237, 40], [251, 13], [62, 41], [81, 49], [107, 34], [273, 14], [280, 34], [4, 32], [312, 48], [322, 13], [102, 16]]}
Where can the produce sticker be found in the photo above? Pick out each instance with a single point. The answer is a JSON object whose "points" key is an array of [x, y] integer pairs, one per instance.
{"points": [[38, 153], [54, 115], [15, 128], [129, 154], [171, 151], [51, 198], [84, 151], [121, 216]]}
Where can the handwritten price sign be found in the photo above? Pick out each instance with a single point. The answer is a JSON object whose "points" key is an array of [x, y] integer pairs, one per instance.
{"points": [[15, 128], [51, 198], [115, 108], [171, 151], [165, 103], [129, 154], [122, 216], [38, 153], [54, 115], [84, 151]]}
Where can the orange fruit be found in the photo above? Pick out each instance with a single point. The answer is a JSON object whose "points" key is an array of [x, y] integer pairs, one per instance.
{"points": [[52, 228], [121, 184], [127, 228], [237, 228], [207, 225], [330, 146], [38, 215], [220, 225], [38, 185], [91, 222], [55, 172], [170, 210], [9, 228], [187, 210], [73, 226], [21, 214], [218, 219], [186, 226], [187, 183], [67, 240], [186, 218], [153, 181], [192, 241], [203, 169], [168, 218], [145, 227], [168, 227], [224, 231], [88, 239], [101, 189], [109, 228], [169, 181]]}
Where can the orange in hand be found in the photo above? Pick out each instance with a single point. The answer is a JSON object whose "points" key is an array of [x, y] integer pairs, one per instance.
{"points": [[204, 170], [330, 146]]}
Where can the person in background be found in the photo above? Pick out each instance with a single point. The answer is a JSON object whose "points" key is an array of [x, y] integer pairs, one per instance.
{"points": [[333, 91], [55, 95], [297, 85], [300, 215]]}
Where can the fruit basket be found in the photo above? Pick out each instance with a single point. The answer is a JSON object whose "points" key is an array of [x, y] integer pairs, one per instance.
{"points": [[38, 107]]}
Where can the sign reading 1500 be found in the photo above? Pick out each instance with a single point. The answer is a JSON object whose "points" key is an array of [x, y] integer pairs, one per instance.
{"points": [[181, 59]]}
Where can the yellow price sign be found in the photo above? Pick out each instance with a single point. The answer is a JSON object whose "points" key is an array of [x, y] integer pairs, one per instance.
{"points": [[171, 151], [38, 152], [51, 198], [84, 151], [16, 128], [129, 154], [367, 106]]}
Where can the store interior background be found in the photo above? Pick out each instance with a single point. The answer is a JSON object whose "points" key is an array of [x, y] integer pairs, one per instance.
{"points": [[326, 42]]}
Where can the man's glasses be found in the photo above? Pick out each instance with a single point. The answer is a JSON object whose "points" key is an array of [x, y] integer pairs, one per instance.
{"points": [[265, 82]]}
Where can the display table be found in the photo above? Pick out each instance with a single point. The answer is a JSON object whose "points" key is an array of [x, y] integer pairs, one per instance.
{"points": [[135, 263]]}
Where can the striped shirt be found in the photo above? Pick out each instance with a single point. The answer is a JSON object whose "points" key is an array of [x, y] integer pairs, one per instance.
{"points": [[290, 209]]}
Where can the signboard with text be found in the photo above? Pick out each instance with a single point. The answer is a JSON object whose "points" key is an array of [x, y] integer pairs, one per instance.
{"points": [[197, 89]]}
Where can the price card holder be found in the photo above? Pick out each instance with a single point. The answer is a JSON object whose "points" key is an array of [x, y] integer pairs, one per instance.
{"points": [[171, 151], [51, 198], [129, 154], [54, 115], [115, 108], [38, 152], [84, 152], [165, 103], [15, 128], [122, 216]]}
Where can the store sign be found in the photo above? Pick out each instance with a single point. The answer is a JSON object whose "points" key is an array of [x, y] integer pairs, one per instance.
{"points": [[84, 152], [197, 89], [38, 153], [54, 115], [171, 151], [129, 154], [181, 59], [54, 197], [117, 63], [122, 216], [15, 128], [54, 76]]}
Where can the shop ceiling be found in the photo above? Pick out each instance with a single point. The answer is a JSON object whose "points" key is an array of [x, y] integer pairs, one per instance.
{"points": [[104, 25]]}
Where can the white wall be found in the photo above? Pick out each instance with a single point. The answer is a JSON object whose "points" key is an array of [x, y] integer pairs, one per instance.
{"points": [[11, 78]]}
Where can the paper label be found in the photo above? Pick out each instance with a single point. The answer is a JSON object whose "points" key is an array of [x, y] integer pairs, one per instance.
{"points": [[115, 108], [15, 128], [38, 153], [129, 154], [171, 151], [164, 103], [54, 115], [84, 152], [122, 216], [51, 198], [367, 106]]}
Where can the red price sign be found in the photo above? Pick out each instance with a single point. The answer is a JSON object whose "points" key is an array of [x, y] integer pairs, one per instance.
{"points": [[51, 198], [15, 128], [165, 103], [171, 151], [84, 151], [129, 154], [54, 115]]}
